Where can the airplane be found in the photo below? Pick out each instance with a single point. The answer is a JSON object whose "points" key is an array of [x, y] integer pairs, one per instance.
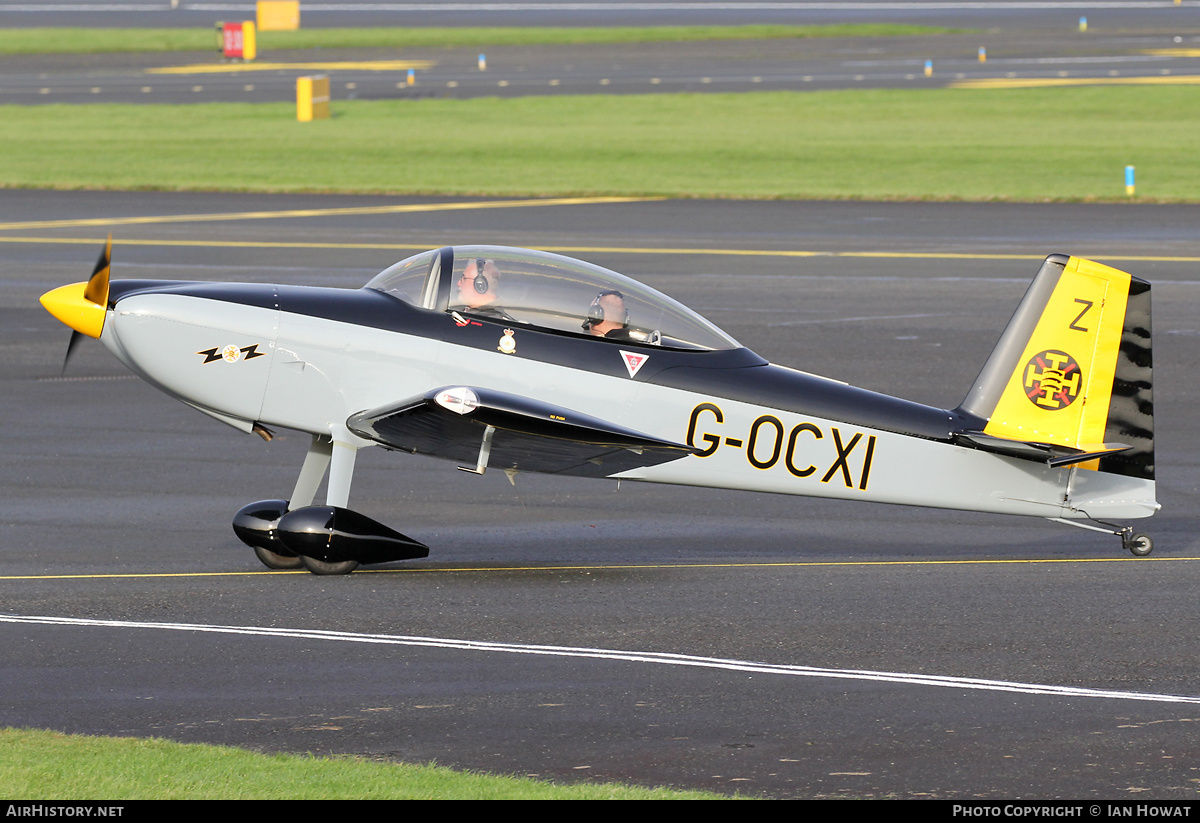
{"points": [[526, 361]]}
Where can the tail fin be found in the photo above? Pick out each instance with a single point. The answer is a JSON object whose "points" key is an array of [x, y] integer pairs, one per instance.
{"points": [[1073, 371]]}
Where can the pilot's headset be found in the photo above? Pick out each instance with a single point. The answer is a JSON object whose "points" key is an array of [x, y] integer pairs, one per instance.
{"points": [[481, 282], [595, 313]]}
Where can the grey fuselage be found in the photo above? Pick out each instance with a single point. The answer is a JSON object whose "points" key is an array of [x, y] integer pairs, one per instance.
{"points": [[310, 358]]}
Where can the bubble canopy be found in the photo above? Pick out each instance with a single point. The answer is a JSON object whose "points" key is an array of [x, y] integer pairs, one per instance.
{"points": [[550, 292]]}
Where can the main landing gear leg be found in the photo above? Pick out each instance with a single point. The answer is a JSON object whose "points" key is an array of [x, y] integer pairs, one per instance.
{"points": [[315, 463], [340, 459], [329, 539]]}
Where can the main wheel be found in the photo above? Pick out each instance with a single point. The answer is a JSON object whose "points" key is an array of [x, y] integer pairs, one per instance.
{"points": [[274, 560], [326, 567], [1140, 544]]}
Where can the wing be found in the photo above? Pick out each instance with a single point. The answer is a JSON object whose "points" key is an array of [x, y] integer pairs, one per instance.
{"points": [[499, 430]]}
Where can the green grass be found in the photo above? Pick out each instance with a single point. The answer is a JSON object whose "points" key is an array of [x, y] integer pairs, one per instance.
{"points": [[80, 41], [1021, 145], [37, 765]]}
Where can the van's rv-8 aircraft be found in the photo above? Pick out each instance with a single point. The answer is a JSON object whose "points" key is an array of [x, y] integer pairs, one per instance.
{"points": [[526, 361]]}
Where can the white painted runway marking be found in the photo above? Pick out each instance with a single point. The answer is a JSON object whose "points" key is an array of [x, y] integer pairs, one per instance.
{"points": [[660, 658], [670, 5]]}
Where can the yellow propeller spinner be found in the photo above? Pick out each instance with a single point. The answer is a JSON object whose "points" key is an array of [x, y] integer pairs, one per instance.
{"points": [[83, 306]]}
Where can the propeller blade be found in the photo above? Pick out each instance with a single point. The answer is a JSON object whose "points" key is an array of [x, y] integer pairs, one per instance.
{"points": [[97, 287], [75, 338]]}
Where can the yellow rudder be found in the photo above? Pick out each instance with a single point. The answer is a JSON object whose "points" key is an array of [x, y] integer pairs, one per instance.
{"points": [[1073, 371], [1060, 390]]}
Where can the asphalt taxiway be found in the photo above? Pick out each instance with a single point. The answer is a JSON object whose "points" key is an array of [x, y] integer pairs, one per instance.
{"points": [[1018, 54], [573, 629]]}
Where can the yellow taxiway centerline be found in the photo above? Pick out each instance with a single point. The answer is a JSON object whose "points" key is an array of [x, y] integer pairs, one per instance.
{"points": [[411, 208], [1185, 52], [406, 208], [572, 250], [1042, 82], [635, 566]]}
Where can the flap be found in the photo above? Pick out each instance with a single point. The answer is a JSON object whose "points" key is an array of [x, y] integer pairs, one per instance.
{"points": [[527, 434]]}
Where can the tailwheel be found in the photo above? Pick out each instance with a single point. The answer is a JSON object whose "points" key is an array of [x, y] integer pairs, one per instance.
{"points": [[328, 567], [1139, 544], [274, 560]]}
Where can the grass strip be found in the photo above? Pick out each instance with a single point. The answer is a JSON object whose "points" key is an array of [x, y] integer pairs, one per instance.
{"points": [[90, 41], [1066, 144], [47, 765]]}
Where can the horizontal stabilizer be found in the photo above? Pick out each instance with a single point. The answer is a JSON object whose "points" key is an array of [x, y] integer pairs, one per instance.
{"points": [[495, 429], [1051, 454]]}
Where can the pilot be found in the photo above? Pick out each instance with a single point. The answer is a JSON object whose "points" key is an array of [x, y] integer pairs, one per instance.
{"points": [[608, 317], [477, 287]]}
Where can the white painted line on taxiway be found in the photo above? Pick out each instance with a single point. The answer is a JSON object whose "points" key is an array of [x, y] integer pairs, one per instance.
{"points": [[711, 5], [661, 658]]}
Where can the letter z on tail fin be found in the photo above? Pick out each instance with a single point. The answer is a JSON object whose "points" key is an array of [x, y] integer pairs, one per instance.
{"points": [[1070, 382]]}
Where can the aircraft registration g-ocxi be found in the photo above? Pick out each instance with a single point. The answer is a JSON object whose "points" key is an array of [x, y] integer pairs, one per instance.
{"points": [[526, 361]]}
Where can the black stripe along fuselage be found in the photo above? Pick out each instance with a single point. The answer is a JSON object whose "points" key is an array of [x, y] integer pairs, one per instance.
{"points": [[734, 374]]}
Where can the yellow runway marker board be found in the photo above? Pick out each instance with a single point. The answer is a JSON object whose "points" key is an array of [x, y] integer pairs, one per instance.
{"points": [[278, 15]]}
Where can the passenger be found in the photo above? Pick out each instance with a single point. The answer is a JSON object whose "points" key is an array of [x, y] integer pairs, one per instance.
{"points": [[477, 287], [608, 317]]}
